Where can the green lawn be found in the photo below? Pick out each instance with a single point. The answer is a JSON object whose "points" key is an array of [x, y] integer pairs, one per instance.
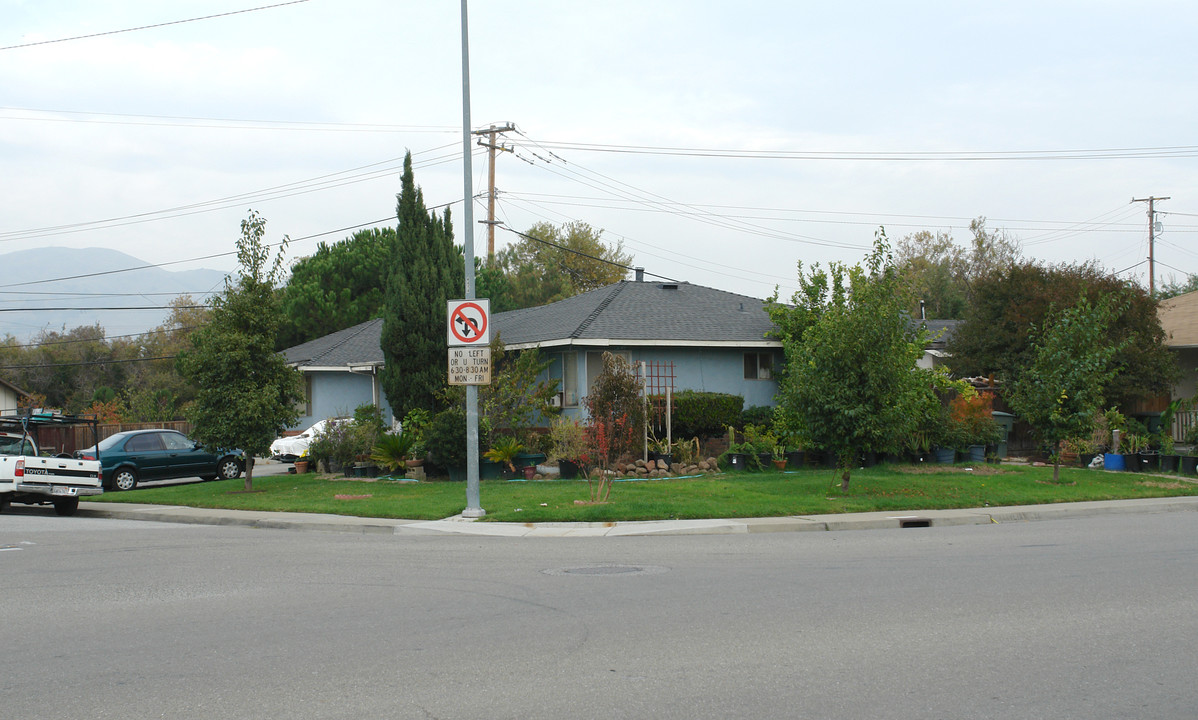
{"points": [[727, 495]]}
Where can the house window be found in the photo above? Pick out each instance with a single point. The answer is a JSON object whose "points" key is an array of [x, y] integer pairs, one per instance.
{"points": [[304, 405], [759, 366], [564, 369], [595, 364]]}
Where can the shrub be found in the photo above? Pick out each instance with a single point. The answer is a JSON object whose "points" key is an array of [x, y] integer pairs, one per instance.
{"points": [[446, 437], [757, 415], [704, 414]]}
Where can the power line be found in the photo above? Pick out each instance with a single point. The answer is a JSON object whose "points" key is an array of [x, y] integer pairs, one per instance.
{"points": [[86, 364], [582, 254], [301, 187], [887, 156], [105, 339], [139, 307], [156, 25], [185, 121]]}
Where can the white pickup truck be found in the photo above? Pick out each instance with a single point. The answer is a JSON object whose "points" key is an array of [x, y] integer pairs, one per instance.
{"points": [[31, 478]]}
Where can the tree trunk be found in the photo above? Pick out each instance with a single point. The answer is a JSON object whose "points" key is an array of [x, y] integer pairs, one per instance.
{"points": [[1056, 468], [249, 472], [844, 480]]}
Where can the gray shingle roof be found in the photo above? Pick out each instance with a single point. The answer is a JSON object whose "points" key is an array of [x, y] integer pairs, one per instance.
{"points": [[640, 311], [680, 313], [357, 345]]}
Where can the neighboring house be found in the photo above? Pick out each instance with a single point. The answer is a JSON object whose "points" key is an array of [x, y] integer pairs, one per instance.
{"points": [[1179, 320], [935, 354], [690, 337], [341, 372], [10, 395]]}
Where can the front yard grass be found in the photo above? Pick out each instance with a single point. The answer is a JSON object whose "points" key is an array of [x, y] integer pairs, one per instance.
{"points": [[726, 495]]}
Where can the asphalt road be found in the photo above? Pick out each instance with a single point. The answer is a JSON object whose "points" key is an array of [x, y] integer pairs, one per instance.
{"points": [[1085, 618]]}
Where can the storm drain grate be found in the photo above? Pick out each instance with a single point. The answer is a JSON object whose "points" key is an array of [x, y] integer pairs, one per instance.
{"points": [[607, 569]]}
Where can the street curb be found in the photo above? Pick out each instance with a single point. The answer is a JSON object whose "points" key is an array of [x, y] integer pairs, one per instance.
{"points": [[805, 523]]}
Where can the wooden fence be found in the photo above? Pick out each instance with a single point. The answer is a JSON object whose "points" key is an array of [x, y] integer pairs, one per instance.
{"points": [[69, 439]]}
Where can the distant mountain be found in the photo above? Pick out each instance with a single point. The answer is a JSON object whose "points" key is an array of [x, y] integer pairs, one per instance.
{"points": [[25, 303]]}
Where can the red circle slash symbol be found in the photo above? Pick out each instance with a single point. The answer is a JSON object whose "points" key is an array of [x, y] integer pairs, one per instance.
{"points": [[468, 327]]}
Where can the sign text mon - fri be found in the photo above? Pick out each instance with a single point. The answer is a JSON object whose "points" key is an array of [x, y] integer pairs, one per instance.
{"points": [[469, 339]]}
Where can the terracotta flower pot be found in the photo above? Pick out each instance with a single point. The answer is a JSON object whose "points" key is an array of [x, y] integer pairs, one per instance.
{"points": [[301, 467]]}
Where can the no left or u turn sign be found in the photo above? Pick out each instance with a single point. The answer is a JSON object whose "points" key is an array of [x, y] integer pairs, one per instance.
{"points": [[469, 322]]}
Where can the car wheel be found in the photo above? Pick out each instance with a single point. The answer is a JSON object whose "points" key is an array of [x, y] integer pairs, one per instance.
{"points": [[229, 468], [124, 479], [66, 506]]}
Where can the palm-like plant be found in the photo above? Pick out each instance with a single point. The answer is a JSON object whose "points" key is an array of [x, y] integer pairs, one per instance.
{"points": [[392, 450], [504, 450]]}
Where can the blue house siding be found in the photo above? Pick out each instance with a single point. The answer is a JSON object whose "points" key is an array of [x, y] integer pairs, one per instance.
{"points": [[718, 370], [336, 394]]}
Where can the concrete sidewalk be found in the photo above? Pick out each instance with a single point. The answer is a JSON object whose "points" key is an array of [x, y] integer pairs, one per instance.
{"points": [[803, 523]]}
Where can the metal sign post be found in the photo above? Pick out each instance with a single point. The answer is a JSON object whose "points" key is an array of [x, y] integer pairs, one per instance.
{"points": [[473, 506]]}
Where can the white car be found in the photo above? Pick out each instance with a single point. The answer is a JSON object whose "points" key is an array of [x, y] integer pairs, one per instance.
{"points": [[290, 447]]}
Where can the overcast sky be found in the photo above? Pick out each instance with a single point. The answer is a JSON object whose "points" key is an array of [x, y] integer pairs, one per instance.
{"points": [[720, 141]]}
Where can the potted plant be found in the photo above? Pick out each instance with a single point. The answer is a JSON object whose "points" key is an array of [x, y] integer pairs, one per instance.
{"points": [[392, 451], [301, 463], [1131, 445], [660, 450], [780, 457], [568, 446], [1168, 458], [504, 451]]}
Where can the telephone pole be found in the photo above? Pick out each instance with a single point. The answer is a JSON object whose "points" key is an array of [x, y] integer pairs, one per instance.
{"points": [[491, 147], [1151, 240]]}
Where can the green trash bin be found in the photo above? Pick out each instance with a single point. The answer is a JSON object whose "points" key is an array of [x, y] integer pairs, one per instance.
{"points": [[1006, 421]]}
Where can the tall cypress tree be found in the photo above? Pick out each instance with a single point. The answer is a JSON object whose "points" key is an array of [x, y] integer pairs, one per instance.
{"points": [[427, 272]]}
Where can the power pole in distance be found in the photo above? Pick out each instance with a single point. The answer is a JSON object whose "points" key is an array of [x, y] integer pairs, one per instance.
{"points": [[1151, 240], [491, 147]]}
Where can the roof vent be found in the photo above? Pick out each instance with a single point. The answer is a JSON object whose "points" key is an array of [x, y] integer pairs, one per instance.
{"points": [[668, 286]]}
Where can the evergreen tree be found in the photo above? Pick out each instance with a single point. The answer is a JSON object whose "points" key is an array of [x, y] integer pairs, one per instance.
{"points": [[428, 271], [338, 286]]}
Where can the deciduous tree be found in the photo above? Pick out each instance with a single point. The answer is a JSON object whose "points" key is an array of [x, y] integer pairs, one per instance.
{"points": [[552, 262], [851, 384], [1060, 392], [246, 395], [994, 337]]}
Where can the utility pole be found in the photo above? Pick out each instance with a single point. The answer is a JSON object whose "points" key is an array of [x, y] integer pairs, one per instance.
{"points": [[491, 147], [1151, 240]]}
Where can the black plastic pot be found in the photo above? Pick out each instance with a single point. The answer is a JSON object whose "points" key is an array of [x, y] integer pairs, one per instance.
{"points": [[1170, 463], [794, 459], [569, 470]]}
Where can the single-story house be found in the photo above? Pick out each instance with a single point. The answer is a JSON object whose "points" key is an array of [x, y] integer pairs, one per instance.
{"points": [[1179, 320], [341, 372], [936, 354], [688, 336], [10, 396]]}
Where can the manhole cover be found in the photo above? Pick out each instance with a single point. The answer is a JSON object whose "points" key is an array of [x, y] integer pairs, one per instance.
{"points": [[607, 569]]}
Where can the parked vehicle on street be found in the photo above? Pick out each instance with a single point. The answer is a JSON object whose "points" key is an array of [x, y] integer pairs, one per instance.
{"points": [[29, 477], [290, 447], [130, 457]]}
